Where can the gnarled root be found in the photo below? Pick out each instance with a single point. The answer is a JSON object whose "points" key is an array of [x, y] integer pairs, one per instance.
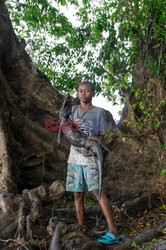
{"points": [[25, 209], [55, 243]]}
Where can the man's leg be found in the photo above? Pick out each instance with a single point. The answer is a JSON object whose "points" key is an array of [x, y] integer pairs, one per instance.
{"points": [[105, 207], [79, 206]]}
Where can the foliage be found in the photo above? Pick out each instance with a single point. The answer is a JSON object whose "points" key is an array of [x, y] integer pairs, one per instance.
{"points": [[134, 244], [149, 114], [163, 172], [106, 41]]}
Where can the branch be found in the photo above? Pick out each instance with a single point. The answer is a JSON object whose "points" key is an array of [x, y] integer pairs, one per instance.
{"points": [[6, 241]]}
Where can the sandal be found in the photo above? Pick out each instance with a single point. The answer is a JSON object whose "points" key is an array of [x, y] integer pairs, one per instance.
{"points": [[108, 238]]}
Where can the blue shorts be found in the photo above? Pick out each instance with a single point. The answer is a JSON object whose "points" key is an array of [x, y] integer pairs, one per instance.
{"points": [[77, 175]]}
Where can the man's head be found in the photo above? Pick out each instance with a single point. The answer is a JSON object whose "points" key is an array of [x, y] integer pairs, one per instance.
{"points": [[89, 84], [86, 91]]}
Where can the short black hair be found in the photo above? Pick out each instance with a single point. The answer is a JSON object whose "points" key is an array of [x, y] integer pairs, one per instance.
{"points": [[90, 84]]}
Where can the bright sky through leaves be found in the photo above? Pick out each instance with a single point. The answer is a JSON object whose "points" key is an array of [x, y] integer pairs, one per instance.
{"points": [[100, 101]]}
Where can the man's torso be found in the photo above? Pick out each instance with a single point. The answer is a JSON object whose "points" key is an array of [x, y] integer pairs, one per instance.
{"points": [[91, 122]]}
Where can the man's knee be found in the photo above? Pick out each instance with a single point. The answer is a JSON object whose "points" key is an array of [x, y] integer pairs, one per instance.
{"points": [[78, 195], [96, 193]]}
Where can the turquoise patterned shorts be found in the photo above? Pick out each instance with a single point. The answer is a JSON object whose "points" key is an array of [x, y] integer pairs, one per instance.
{"points": [[77, 175]]}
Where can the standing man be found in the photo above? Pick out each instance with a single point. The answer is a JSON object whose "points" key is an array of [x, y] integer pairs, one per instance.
{"points": [[82, 168]]}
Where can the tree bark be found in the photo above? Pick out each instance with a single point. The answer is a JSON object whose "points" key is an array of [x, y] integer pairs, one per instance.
{"points": [[29, 154]]}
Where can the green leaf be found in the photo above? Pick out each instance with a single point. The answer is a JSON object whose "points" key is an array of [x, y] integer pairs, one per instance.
{"points": [[157, 125], [134, 244], [140, 126], [135, 105], [162, 102], [163, 171], [164, 206], [105, 42], [156, 149], [110, 135], [123, 139], [126, 78]]}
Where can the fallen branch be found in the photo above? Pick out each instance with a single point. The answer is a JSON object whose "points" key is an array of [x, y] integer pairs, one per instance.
{"points": [[146, 235], [6, 241]]}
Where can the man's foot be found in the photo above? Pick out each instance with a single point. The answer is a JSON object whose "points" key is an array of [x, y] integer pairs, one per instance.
{"points": [[112, 230], [108, 238]]}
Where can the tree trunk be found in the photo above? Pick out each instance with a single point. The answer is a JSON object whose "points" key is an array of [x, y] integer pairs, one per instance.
{"points": [[138, 157], [29, 154]]}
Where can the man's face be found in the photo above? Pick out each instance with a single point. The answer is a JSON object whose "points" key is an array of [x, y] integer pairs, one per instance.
{"points": [[85, 93]]}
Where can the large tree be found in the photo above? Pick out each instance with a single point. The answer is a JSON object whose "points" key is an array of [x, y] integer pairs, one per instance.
{"points": [[130, 60], [105, 39]]}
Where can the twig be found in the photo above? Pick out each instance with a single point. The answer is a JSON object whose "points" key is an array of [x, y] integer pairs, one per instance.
{"points": [[125, 213], [98, 219], [16, 242]]}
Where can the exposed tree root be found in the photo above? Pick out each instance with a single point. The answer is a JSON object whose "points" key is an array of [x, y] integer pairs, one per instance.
{"points": [[76, 238], [26, 209], [8, 225], [16, 241], [128, 208], [159, 245], [146, 235], [55, 243]]}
